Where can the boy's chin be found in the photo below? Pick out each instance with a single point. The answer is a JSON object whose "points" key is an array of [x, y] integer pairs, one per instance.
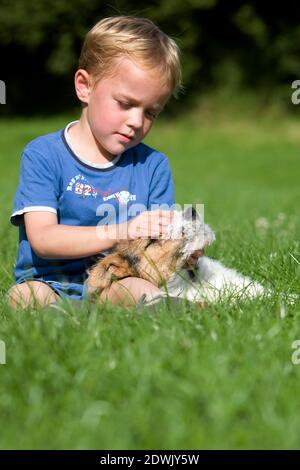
{"points": [[120, 147], [111, 147]]}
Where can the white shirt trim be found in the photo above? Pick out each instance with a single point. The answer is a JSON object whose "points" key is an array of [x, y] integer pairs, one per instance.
{"points": [[83, 160], [34, 209]]}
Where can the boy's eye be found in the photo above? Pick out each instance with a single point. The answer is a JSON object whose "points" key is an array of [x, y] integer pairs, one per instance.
{"points": [[151, 114], [128, 105], [124, 104]]}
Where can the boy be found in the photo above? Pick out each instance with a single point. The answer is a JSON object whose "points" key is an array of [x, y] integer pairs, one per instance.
{"points": [[72, 178]]}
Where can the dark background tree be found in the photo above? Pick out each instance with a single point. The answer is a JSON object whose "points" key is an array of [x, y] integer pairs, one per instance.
{"points": [[252, 45]]}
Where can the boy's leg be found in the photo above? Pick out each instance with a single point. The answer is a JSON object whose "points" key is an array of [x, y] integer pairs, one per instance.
{"points": [[31, 293], [128, 291]]}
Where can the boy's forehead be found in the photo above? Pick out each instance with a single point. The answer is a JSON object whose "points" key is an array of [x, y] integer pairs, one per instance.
{"points": [[139, 83]]}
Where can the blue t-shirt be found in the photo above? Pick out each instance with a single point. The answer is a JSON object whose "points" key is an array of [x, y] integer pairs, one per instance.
{"points": [[54, 179]]}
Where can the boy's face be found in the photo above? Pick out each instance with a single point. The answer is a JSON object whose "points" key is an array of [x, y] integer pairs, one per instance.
{"points": [[122, 107]]}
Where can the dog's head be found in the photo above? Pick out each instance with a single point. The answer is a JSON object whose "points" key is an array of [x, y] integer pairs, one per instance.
{"points": [[189, 228], [154, 260]]}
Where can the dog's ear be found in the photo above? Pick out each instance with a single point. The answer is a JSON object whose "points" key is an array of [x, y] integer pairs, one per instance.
{"points": [[191, 214], [119, 267], [112, 267]]}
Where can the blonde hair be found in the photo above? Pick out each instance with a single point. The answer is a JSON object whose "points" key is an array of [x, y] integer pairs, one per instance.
{"points": [[137, 38]]}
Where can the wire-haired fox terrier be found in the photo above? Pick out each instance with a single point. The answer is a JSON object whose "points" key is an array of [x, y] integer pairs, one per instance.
{"points": [[168, 263]]}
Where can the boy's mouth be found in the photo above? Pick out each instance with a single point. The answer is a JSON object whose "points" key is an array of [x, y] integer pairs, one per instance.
{"points": [[125, 137]]}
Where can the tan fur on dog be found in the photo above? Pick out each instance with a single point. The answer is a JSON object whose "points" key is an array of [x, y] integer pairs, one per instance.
{"points": [[166, 261], [153, 260]]}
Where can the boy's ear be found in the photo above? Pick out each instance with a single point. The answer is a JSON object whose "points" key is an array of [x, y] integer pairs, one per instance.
{"points": [[83, 85]]}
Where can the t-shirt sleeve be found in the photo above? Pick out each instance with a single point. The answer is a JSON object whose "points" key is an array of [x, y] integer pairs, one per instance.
{"points": [[38, 188], [161, 186]]}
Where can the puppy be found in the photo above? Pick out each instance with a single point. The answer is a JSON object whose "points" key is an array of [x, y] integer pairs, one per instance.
{"points": [[155, 260], [166, 262]]}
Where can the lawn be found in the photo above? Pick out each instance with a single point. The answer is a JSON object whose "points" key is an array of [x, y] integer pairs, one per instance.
{"points": [[98, 377]]}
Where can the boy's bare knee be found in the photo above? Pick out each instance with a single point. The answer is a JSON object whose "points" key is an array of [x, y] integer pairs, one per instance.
{"points": [[128, 291], [32, 293], [138, 287]]}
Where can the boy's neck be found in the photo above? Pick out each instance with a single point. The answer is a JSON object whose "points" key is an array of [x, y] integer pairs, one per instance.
{"points": [[84, 144]]}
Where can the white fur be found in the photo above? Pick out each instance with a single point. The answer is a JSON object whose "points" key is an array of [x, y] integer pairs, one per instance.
{"points": [[194, 233], [212, 281]]}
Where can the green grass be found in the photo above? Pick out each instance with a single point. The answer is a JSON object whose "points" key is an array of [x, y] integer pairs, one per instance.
{"points": [[91, 376]]}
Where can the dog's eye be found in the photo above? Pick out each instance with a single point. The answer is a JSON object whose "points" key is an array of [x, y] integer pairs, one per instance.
{"points": [[147, 242], [154, 241]]}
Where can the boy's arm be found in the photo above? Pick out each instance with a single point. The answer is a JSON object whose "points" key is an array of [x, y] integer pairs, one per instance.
{"points": [[51, 240]]}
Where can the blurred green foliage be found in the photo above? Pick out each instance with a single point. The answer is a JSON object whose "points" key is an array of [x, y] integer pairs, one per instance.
{"points": [[239, 45]]}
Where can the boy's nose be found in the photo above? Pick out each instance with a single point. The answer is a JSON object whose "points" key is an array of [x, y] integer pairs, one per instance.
{"points": [[135, 119]]}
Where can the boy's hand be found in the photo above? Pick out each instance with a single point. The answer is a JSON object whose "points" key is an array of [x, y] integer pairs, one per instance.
{"points": [[149, 224]]}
